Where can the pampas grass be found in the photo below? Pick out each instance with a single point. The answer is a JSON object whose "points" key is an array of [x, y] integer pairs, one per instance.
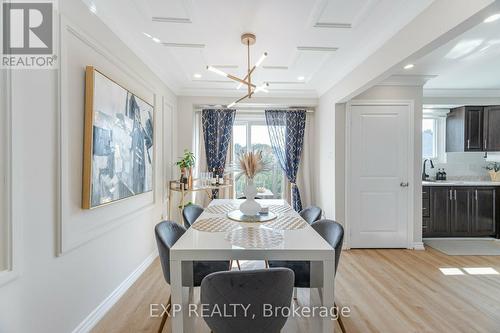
{"points": [[251, 164]]}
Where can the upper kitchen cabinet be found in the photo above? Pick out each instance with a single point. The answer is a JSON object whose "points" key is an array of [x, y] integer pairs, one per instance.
{"points": [[492, 128], [464, 129]]}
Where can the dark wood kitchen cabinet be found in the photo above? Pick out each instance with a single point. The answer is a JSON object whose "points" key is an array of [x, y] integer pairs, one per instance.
{"points": [[491, 128], [460, 211], [484, 211], [439, 223], [464, 129]]}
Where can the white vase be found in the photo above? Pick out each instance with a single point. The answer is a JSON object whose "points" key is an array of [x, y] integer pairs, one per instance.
{"points": [[250, 207]]}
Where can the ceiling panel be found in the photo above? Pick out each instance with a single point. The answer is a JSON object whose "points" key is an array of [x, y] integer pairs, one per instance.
{"points": [[169, 8], [281, 27]]}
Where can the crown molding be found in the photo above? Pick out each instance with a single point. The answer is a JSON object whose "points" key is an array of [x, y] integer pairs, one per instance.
{"points": [[478, 93], [406, 80]]}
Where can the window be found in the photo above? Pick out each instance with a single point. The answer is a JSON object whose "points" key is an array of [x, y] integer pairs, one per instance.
{"points": [[250, 133], [429, 138], [434, 135]]}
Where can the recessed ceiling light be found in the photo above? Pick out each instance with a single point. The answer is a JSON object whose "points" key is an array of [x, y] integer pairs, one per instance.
{"points": [[492, 18], [156, 40], [147, 35], [197, 76], [300, 78], [409, 66], [93, 8]]}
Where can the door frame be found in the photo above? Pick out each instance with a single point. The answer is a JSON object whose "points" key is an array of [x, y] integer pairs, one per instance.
{"points": [[411, 164]]}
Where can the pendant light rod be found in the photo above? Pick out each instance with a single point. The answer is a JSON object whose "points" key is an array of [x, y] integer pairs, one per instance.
{"points": [[247, 39]]}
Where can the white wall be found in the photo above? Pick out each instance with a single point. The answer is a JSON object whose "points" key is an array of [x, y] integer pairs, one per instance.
{"points": [[54, 294], [324, 168]]}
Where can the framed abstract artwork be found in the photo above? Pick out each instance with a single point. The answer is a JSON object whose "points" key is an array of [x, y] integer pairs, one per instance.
{"points": [[118, 142]]}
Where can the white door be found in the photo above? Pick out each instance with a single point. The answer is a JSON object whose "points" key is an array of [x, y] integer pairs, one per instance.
{"points": [[378, 185]]}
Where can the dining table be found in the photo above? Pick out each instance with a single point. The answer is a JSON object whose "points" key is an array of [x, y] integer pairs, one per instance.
{"points": [[215, 236]]}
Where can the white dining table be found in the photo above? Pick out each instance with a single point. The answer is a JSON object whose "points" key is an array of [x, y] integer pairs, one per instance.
{"points": [[224, 239]]}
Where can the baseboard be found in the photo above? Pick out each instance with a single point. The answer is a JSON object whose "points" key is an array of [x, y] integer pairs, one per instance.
{"points": [[98, 313], [419, 246]]}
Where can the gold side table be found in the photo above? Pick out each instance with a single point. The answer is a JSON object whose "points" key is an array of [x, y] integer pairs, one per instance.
{"points": [[174, 186]]}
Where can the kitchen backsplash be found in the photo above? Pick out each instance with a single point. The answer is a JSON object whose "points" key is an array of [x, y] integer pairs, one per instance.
{"points": [[464, 166]]}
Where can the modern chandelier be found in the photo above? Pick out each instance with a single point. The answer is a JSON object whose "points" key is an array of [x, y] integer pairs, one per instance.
{"points": [[248, 40]]}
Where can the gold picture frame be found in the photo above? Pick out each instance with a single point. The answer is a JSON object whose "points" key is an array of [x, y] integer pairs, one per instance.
{"points": [[118, 145]]}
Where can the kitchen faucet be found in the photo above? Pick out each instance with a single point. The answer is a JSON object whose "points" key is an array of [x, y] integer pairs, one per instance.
{"points": [[425, 176]]}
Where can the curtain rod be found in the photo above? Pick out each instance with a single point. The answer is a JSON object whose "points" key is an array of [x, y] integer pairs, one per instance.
{"points": [[248, 108]]}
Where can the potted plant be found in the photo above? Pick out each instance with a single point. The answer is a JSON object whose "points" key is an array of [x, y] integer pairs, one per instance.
{"points": [[187, 163], [249, 165], [494, 171]]}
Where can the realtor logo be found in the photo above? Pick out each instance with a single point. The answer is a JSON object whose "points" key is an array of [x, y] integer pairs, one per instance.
{"points": [[28, 34]]}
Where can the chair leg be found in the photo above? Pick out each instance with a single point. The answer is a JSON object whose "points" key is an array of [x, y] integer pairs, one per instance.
{"points": [[238, 263], [341, 324], [295, 294], [230, 264], [164, 319], [267, 263]]}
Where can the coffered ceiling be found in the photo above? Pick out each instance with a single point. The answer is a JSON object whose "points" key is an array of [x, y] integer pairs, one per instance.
{"points": [[311, 44]]}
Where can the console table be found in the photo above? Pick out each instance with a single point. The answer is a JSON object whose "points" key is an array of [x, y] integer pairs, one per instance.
{"points": [[174, 186]]}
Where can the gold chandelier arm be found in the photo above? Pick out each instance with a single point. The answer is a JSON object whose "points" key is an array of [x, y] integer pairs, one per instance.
{"points": [[246, 96], [232, 77]]}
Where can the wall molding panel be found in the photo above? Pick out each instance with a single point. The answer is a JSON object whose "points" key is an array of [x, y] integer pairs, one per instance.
{"points": [[76, 226]]}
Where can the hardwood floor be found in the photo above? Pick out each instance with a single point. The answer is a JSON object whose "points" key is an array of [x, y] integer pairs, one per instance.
{"points": [[387, 291]]}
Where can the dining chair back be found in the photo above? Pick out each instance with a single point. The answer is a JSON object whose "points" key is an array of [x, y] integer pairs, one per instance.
{"points": [[253, 289], [190, 213], [166, 234], [333, 233], [311, 214]]}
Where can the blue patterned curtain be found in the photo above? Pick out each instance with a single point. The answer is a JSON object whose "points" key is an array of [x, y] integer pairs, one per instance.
{"points": [[286, 132], [217, 131]]}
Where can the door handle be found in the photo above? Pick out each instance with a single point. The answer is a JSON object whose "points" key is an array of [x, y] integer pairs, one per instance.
{"points": [[403, 184]]}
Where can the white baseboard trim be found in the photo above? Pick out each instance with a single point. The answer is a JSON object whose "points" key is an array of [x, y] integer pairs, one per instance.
{"points": [[419, 246], [98, 313]]}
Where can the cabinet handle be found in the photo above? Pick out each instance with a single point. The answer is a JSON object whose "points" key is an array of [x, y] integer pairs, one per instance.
{"points": [[451, 194], [476, 194], [468, 144]]}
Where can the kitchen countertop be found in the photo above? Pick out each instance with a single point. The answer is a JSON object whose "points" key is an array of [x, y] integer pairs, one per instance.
{"points": [[460, 183]]}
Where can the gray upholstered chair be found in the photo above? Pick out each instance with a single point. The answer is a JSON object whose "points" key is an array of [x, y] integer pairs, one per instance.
{"points": [[190, 213], [311, 214], [250, 288], [333, 233], [167, 233]]}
